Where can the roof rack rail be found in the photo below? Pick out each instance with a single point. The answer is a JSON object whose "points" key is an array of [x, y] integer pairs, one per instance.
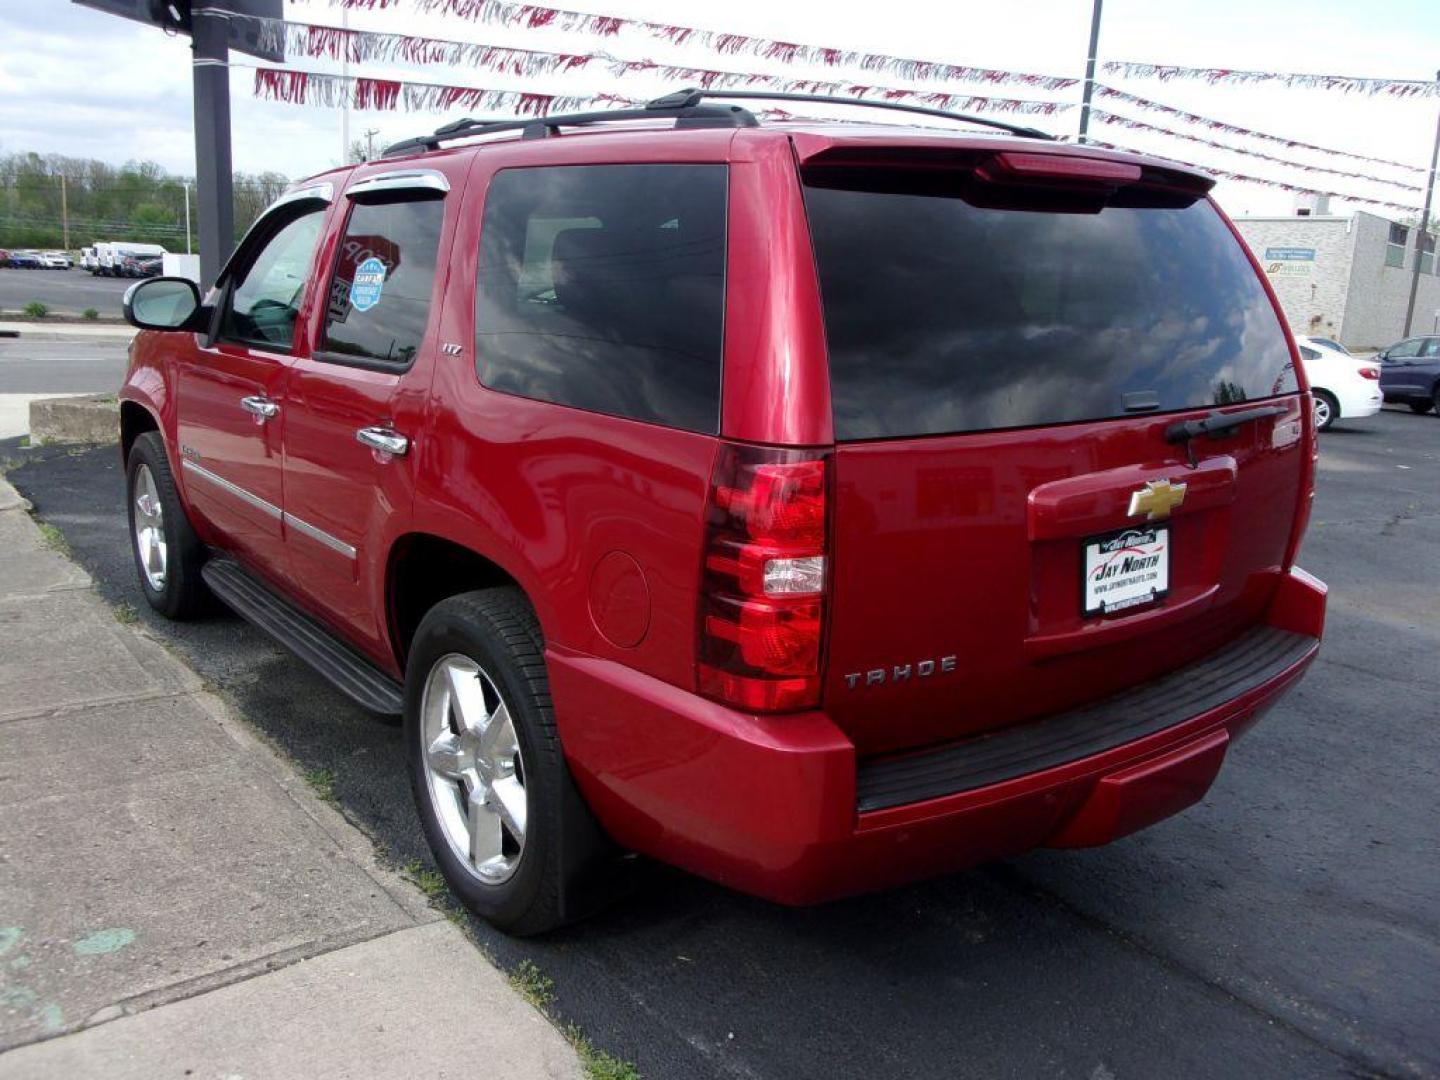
{"points": [[686, 114], [687, 108], [694, 97]]}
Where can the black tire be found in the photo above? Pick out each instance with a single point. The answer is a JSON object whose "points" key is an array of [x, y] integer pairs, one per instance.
{"points": [[1326, 405], [1419, 407], [182, 593], [1435, 398], [564, 849]]}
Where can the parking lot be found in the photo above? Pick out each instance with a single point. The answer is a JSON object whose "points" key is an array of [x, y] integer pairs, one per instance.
{"points": [[1288, 925], [64, 292]]}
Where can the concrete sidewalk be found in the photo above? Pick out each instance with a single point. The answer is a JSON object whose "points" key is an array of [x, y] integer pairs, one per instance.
{"points": [[59, 331], [175, 901]]}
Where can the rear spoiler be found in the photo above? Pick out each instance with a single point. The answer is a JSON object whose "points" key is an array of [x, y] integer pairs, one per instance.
{"points": [[999, 160]]}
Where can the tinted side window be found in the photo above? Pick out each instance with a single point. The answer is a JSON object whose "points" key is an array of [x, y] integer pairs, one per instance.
{"points": [[265, 300], [602, 287], [379, 300], [1406, 349]]}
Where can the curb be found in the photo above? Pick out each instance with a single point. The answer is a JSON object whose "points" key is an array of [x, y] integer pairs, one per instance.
{"points": [[10, 499], [106, 337], [94, 419], [54, 330]]}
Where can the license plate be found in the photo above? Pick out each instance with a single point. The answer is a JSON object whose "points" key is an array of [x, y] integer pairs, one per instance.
{"points": [[1125, 569]]}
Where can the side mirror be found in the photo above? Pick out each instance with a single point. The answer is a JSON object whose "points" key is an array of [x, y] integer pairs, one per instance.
{"points": [[163, 303]]}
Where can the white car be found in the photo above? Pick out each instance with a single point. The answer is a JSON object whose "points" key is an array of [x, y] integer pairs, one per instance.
{"points": [[54, 260], [1343, 386]]}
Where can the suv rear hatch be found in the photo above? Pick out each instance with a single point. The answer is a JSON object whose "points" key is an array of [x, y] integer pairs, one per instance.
{"points": [[1011, 335]]}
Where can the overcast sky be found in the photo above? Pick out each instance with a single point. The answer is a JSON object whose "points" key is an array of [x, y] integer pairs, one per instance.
{"points": [[78, 82]]}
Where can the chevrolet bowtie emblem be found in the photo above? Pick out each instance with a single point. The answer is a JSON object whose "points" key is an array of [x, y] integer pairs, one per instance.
{"points": [[1156, 499]]}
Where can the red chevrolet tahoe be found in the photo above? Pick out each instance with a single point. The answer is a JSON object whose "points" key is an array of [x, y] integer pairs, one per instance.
{"points": [[811, 506]]}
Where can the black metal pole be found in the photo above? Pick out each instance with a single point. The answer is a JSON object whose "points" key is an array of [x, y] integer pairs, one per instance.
{"points": [[1090, 72], [1424, 228], [213, 194]]}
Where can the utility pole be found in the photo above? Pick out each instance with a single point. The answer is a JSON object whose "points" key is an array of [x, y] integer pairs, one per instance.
{"points": [[1424, 227], [345, 71], [185, 187], [213, 179], [1090, 72], [64, 214], [370, 134]]}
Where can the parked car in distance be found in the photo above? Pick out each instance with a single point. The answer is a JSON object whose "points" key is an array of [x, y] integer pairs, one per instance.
{"points": [[141, 266], [1343, 388], [25, 260], [814, 507], [88, 259], [104, 259], [1328, 343], [4, 257], [55, 260], [1410, 372], [128, 259]]}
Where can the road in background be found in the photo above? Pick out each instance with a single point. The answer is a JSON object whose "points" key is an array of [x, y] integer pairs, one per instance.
{"points": [[64, 292], [61, 367], [39, 369], [1289, 925]]}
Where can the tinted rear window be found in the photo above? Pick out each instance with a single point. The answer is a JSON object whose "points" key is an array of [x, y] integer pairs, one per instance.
{"points": [[602, 287], [943, 316]]}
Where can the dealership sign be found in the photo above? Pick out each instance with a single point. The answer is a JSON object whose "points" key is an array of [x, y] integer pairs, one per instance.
{"points": [[1289, 261]]}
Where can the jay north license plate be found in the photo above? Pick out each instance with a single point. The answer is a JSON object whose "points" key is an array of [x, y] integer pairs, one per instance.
{"points": [[1125, 569]]}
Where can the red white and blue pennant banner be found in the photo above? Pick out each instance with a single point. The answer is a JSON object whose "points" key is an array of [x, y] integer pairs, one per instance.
{"points": [[366, 46], [1115, 120], [537, 16], [1402, 88], [1261, 181], [358, 92], [1210, 124]]}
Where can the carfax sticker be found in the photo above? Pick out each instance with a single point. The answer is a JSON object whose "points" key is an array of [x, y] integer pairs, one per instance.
{"points": [[369, 282], [1125, 569]]}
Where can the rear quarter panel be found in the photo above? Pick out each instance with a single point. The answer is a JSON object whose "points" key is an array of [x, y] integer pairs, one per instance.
{"points": [[598, 518]]}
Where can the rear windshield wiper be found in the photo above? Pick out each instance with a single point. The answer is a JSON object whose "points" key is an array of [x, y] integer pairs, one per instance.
{"points": [[1217, 425]]}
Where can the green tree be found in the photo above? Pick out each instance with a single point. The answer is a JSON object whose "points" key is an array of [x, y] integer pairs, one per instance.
{"points": [[138, 200]]}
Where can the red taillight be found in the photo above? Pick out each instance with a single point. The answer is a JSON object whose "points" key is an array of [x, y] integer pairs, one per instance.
{"points": [[762, 605], [1370, 373]]}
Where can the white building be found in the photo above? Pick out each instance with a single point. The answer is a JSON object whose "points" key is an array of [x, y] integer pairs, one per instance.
{"points": [[1346, 278]]}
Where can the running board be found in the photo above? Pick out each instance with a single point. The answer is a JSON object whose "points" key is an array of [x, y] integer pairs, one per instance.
{"points": [[344, 668]]}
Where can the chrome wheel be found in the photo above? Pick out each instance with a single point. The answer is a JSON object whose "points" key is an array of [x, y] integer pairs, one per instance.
{"points": [[1322, 412], [149, 528], [474, 768]]}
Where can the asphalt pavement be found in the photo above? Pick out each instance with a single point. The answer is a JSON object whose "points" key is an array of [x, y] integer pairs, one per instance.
{"points": [[61, 367], [64, 292], [1287, 925]]}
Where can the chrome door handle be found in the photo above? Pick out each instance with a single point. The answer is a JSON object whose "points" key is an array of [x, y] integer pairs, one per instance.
{"points": [[261, 408], [384, 440]]}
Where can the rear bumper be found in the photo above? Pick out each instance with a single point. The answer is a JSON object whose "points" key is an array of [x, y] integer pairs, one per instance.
{"points": [[777, 806], [1361, 401]]}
